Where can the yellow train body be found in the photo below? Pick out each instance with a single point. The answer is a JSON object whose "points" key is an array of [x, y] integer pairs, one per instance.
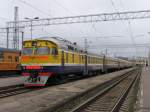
{"points": [[44, 58], [69, 56]]}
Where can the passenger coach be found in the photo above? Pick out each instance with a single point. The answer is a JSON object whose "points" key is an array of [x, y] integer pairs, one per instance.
{"points": [[9, 62]]}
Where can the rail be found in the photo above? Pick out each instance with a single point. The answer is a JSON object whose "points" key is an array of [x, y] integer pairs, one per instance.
{"points": [[102, 94]]}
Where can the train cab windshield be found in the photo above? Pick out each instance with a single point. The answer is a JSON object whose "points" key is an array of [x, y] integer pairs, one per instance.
{"points": [[46, 51], [39, 48], [42, 51], [27, 51]]}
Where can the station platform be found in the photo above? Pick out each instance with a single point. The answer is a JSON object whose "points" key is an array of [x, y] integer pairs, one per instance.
{"points": [[145, 90], [10, 81]]}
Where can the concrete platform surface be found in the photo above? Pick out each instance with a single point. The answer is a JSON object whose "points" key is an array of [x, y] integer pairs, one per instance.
{"points": [[43, 99], [9, 81], [145, 90]]}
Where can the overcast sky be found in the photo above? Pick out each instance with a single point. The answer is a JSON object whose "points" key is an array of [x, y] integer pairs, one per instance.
{"points": [[105, 31]]}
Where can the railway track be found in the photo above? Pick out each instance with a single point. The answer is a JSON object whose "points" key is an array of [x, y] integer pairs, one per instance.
{"points": [[19, 89], [107, 98], [13, 90]]}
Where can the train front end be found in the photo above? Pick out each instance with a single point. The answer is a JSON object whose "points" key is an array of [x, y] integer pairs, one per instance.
{"points": [[37, 57]]}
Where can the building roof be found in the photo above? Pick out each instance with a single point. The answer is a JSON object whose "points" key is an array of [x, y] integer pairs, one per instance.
{"points": [[8, 50]]}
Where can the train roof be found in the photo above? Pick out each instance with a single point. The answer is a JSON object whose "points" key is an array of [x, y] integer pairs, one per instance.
{"points": [[62, 43], [65, 44], [8, 50]]}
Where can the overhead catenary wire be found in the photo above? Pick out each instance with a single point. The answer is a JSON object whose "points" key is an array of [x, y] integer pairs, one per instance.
{"points": [[67, 10], [41, 11], [113, 5], [35, 8], [4, 18], [129, 27], [60, 5]]}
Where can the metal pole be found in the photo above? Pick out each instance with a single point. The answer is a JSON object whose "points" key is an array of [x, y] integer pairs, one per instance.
{"points": [[31, 23], [149, 57], [22, 38], [7, 30], [106, 52], [16, 29], [85, 48], [31, 29]]}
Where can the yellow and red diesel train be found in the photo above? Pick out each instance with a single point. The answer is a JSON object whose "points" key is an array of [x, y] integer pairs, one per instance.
{"points": [[9, 62], [48, 58]]}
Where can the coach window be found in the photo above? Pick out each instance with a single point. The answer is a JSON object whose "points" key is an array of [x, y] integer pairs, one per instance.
{"points": [[72, 58], [10, 58], [16, 58], [82, 59], [54, 51], [66, 57], [92, 60], [79, 58], [88, 59], [1, 58]]}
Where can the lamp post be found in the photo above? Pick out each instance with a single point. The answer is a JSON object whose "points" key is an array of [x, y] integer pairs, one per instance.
{"points": [[31, 21]]}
